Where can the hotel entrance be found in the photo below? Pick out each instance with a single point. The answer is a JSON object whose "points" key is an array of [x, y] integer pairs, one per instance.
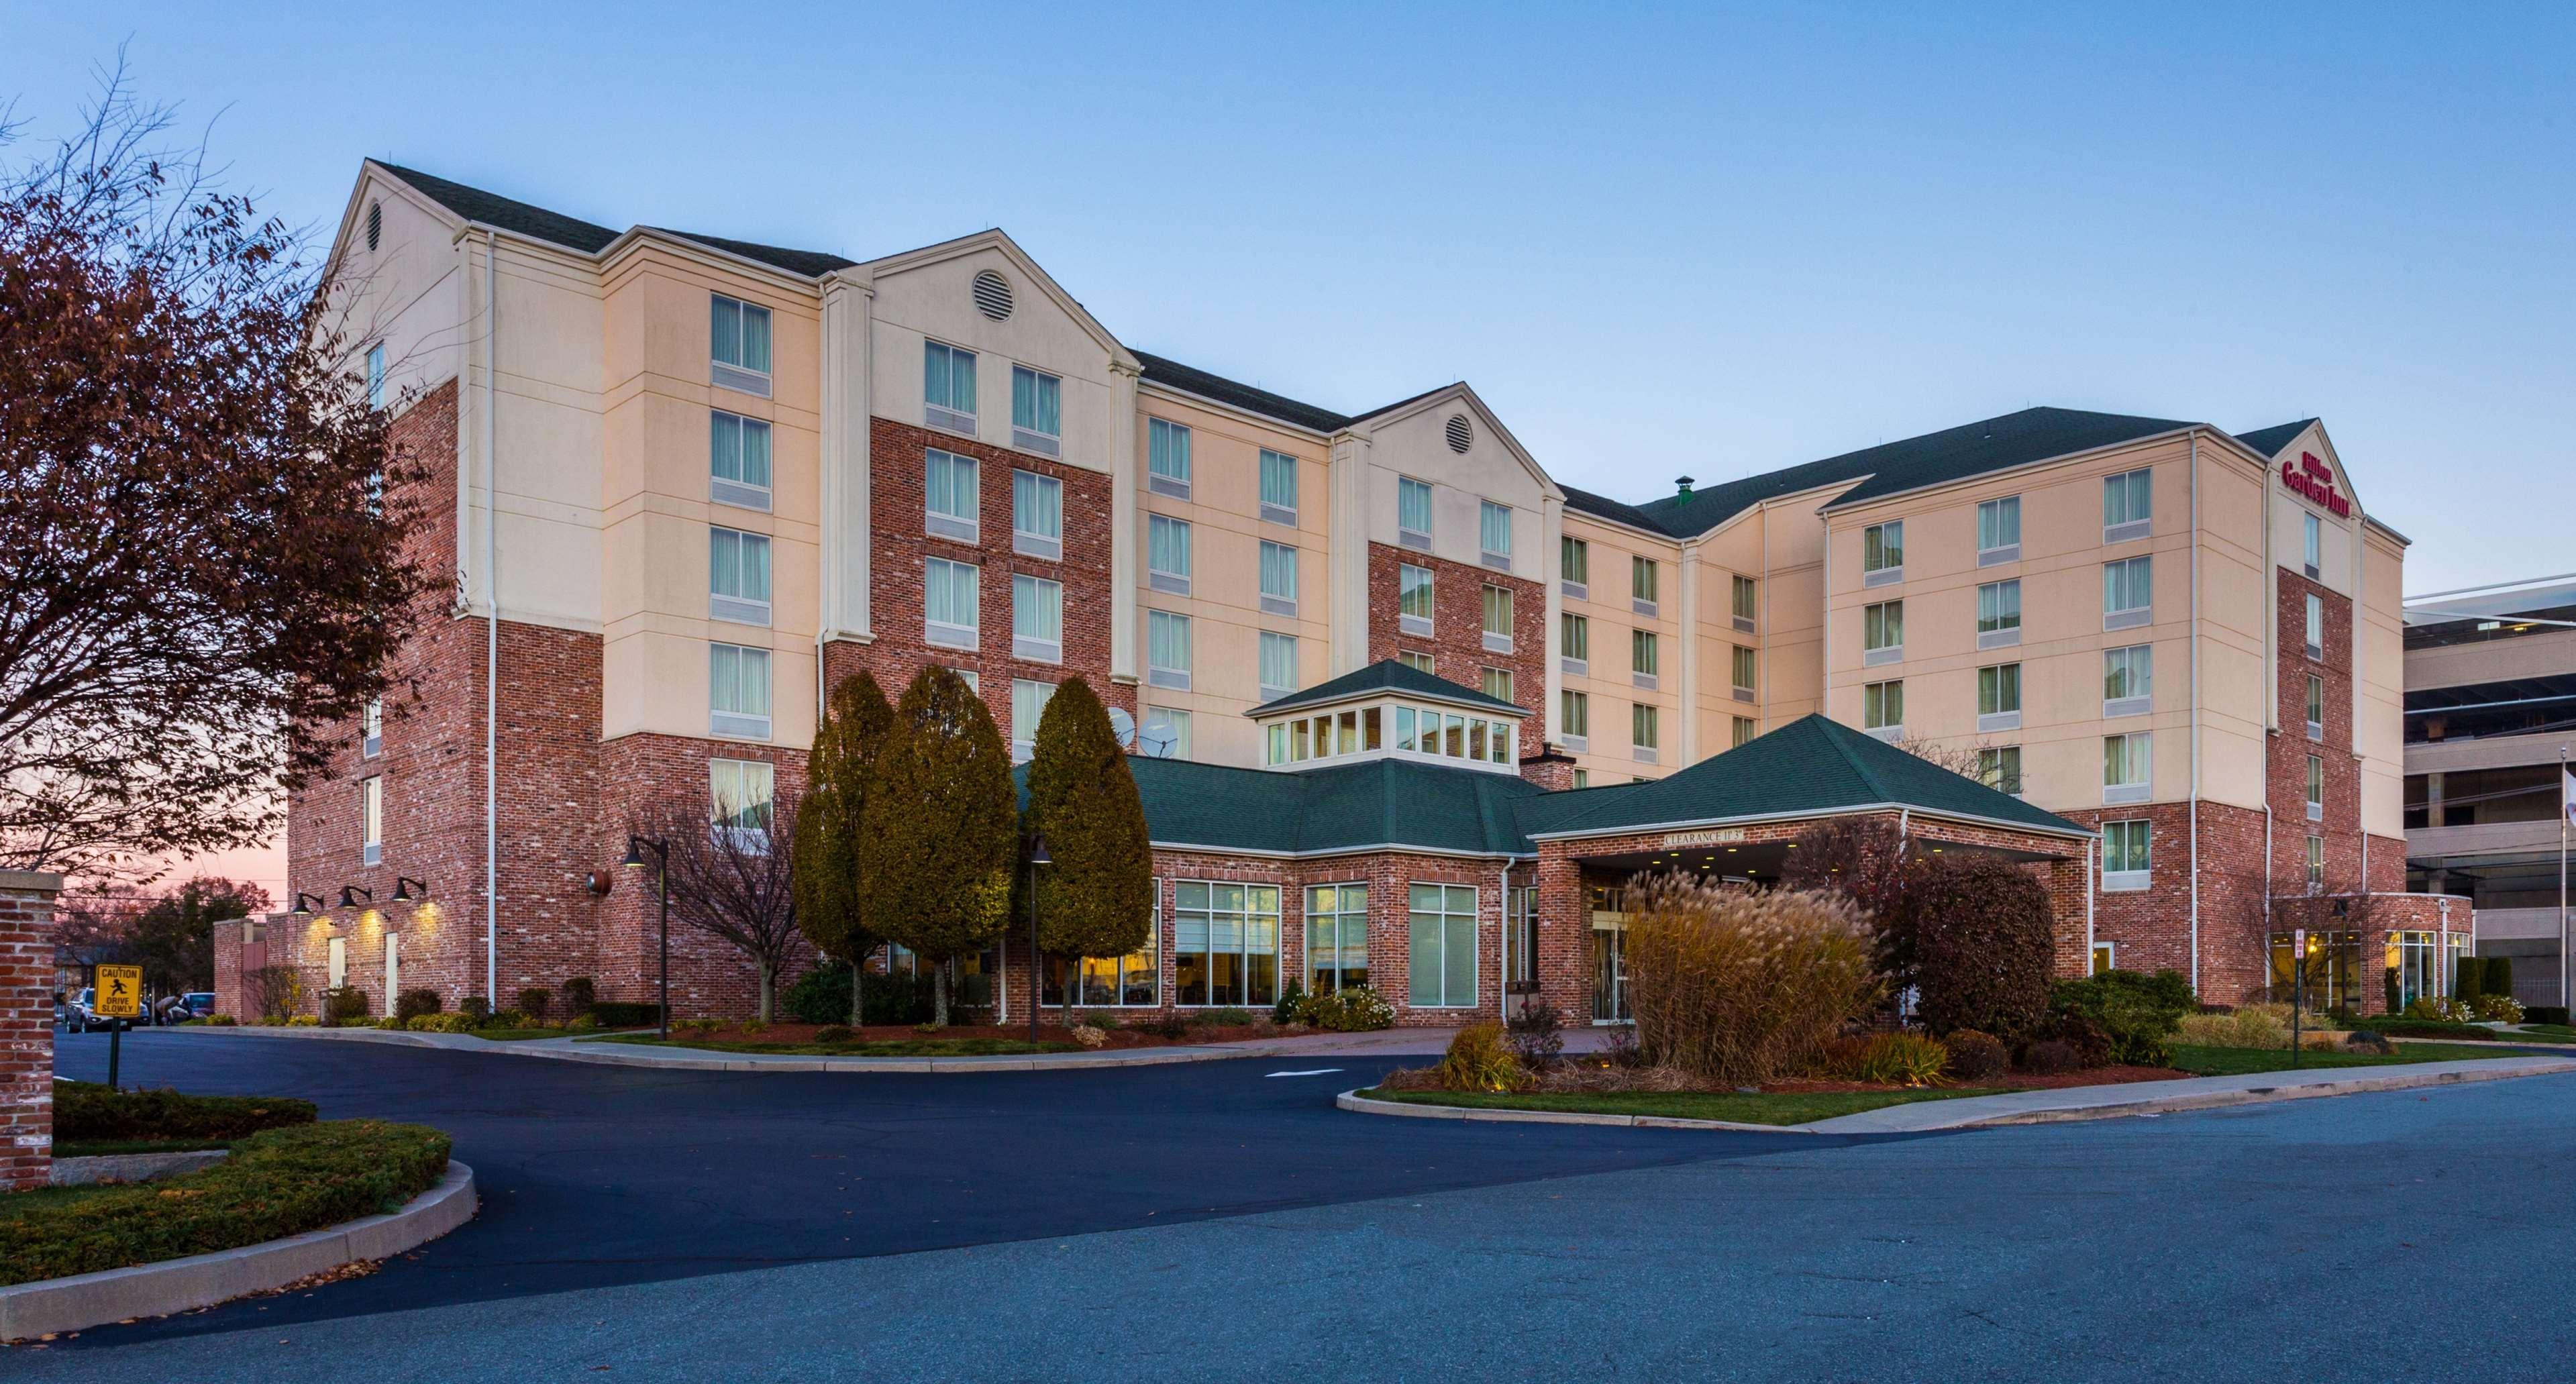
{"points": [[1609, 939]]}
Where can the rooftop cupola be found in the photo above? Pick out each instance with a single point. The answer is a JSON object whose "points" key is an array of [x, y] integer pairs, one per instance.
{"points": [[1390, 710], [1682, 488]]}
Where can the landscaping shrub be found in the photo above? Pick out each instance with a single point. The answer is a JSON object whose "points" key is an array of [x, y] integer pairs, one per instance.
{"points": [[1841, 1057], [1286, 1011], [346, 1004], [822, 996], [580, 994], [276, 993], [1737, 988], [413, 1004], [2498, 1007], [1977, 1057], [2052, 1057], [1224, 1018], [2136, 1014], [535, 1001], [2499, 978], [1984, 942], [1536, 1035], [2249, 1027], [582, 1023], [1904, 1059], [2088, 1040], [2389, 990], [476, 1009], [835, 1033], [2440, 1007], [1478, 1061], [218, 1021], [620, 1014], [2545, 1014], [1163, 1026], [439, 1023], [2469, 980], [277, 1183], [1089, 1036], [86, 1110], [388, 1021], [1354, 1009]]}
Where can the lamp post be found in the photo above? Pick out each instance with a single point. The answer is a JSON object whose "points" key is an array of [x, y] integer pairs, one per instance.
{"points": [[635, 848], [1037, 856]]}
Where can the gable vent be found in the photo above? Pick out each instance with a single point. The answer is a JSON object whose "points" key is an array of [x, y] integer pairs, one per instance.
{"points": [[992, 295], [1459, 434], [375, 224]]}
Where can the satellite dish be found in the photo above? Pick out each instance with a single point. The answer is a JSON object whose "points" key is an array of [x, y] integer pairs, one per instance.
{"points": [[1123, 726], [1157, 744]]}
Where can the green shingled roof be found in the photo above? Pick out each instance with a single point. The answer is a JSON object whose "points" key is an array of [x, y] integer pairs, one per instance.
{"points": [[1379, 802], [1388, 675], [1811, 765]]}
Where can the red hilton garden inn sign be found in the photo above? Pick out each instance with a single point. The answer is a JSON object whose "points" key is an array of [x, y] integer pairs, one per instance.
{"points": [[2314, 479]]}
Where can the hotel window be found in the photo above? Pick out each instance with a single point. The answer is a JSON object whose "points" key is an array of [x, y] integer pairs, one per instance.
{"points": [[1167, 554], [1278, 665], [2128, 593], [1278, 487], [2316, 626], [371, 820], [335, 961], [2128, 771], [1498, 620], [1037, 411], [1882, 632], [2315, 536], [1412, 512], [1745, 602], [949, 496], [2316, 863], [1641, 585], [739, 794], [1336, 937], [376, 379], [2316, 707], [1882, 706], [1420, 663], [1167, 650], [1999, 697], [1643, 731], [1104, 982], [2316, 788], [1999, 768], [1746, 728], [1642, 662], [1278, 578], [1582, 778], [1574, 718], [1999, 531], [1743, 666], [1037, 515], [1574, 564], [1999, 614], [1165, 734], [948, 387], [951, 613], [1574, 644], [1498, 684], [1028, 704], [2128, 860], [1494, 535], [2105, 957], [2128, 506], [1882, 552], [2129, 680], [1037, 619], [738, 691], [974, 681], [737, 576], [1167, 458], [1442, 963], [371, 729], [1412, 599], [737, 460], [738, 339], [1225, 944]]}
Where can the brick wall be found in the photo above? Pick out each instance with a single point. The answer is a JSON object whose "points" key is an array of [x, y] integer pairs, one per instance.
{"points": [[27, 1028], [710, 978], [1456, 643], [2290, 746]]}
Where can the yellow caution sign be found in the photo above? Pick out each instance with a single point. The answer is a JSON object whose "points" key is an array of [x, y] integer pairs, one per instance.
{"points": [[120, 991]]}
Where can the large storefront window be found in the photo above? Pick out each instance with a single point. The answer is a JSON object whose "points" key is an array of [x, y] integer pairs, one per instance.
{"points": [[2331, 973], [1336, 937], [2418, 959], [1225, 944], [1105, 982], [1442, 965]]}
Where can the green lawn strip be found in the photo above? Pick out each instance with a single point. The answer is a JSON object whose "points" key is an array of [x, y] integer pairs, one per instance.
{"points": [[282, 1182], [101, 1148], [897, 1047], [2541, 1033], [2200, 1061], [519, 1035], [1767, 1107]]}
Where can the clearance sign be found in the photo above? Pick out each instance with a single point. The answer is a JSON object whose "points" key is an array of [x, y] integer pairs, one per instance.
{"points": [[2314, 479]]}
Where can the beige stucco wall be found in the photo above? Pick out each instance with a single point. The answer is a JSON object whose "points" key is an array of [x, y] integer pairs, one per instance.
{"points": [[1609, 686], [932, 299]]}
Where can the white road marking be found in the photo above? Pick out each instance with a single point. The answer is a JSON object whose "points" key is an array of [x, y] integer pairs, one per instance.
{"points": [[1319, 1071]]}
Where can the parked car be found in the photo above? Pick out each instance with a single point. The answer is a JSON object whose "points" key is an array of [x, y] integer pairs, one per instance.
{"points": [[78, 1017], [198, 1003]]}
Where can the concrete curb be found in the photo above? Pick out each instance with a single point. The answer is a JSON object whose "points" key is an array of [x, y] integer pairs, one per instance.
{"points": [[133, 1167], [2469, 1070], [1353, 1100], [82, 1301]]}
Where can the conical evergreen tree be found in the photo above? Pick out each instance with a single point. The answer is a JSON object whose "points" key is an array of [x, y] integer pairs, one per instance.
{"points": [[938, 834], [1096, 898], [839, 774]]}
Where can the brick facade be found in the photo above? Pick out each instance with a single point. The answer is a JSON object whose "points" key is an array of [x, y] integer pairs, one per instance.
{"points": [[27, 1028], [1456, 643]]}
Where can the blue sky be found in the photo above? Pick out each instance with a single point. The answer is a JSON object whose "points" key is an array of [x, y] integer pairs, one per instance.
{"points": [[1697, 241]]}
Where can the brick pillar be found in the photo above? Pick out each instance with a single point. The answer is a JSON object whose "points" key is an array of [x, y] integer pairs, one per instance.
{"points": [[1551, 769], [27, 1028]]}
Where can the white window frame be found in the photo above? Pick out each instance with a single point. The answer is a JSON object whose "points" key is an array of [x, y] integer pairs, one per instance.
{"points": [[1173, 581], [1649, 603], [2130, 616], [2121, 521], [2003, 681], [2135, 667], [1164, 675], [2315, 788], [735, 491], [1883, 622], [1486, 515], [1418, 662], [376, 377], [939, 523], [1877, 542], [1743, 671], [944, 414], [371, 728], [2128, 880], [1342, 916], [1645, 660], [1175, 745], [2138, 756], [1283, 558], [371, 820], [1048, 598], [1167, 442], [2316, 701], [2312, 535], [1249, 919], [1271, 511], [1574, 568], [1495, 641], [1024, 729], [739, 375], [1574, 719], [1026, 436], [948, 634], [1645, 718], [752, 840], [1485, 683], [1269, 640], [1405, 488], [2316, 626], [1744, 603], [1047, 493], [740, 724], [2006, 515], [1446, 914], [1574, 643], [736, 607], [2007, 624], [1405, 621], [1874, 707], [1991, 770]]}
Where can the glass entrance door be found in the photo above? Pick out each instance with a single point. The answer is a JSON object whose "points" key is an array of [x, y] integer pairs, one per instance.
{"points": [[1610, 969]]}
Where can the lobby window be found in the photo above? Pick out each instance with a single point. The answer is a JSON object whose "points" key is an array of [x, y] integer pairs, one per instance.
{"points": [[1442, 963], [1225, 944], [1999, 768], [1644, 731], [2316, 626], [737, 576], [1167, 554], [1336, 937], [2316, 863], [1165, 734], [737, 460], [1574, 567], [1642, 658], [1574, 643], [1028, 703], [1104, 982], [1744, 601], [1278, 578], [1418, 662], [951, 593], [1745, 729], [948, 387], [1037, 411], [2316, 788], [1574, 718], [1999, 614], [1641, 585], [1037, 515], [2128, 593], [738, 691], [376, 379], [1037, 619], [2128, 680], [2128, 506], [2128, 860], [1498, 684], [1743, 665], [1999, 531], [2314, 535], [1278, 487], [1167, 458], [1167, 650], [1412, 512], [1882, 632], [950, 493], [738, 340], [2105, 957], [1882, 707], [2128, 772], [1882, 553], [1498, 620], [1412, 599], [371, 820], [1494, 535], [739, 794], [1999, 697], [371, 728], [1278, 665], [2316, 707]]}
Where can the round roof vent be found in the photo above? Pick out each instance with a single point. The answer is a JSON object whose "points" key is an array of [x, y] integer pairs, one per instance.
{"points": [[1459, 433], [992, 295], [375, 224]]}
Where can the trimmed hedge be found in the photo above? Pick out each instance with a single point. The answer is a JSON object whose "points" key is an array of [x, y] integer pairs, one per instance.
{"points": [[87, 1110], [621, 1014], [279, 1183], [2544, 1014]]}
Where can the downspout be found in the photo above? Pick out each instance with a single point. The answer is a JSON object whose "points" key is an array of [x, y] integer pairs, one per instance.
{"points": [[2089, 943], [491, 623], [1503, 951], [2196, 636]]}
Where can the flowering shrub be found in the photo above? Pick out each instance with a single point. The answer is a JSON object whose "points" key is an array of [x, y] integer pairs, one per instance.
{"points": [[2441, 1007], [1088, 1036], [1737, 988], [1355, 1009], [2502, 1008]]}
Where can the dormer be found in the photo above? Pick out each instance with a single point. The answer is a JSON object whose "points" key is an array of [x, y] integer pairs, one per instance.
{"points": [[1389, 710]]}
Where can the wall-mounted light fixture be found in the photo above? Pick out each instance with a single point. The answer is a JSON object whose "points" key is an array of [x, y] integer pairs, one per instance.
{"points": [[306, 905], [407, 889], [349, 893]]}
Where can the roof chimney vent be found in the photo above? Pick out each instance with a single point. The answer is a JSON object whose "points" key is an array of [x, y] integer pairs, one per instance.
{"points": [[1681, 488]]}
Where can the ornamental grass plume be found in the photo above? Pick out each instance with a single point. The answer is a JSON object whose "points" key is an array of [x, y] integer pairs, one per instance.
{"points": [[1734, 986]]}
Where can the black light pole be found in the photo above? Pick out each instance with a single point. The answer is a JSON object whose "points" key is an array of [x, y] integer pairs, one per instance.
{"points": [[635, 848], [1037, 857]]}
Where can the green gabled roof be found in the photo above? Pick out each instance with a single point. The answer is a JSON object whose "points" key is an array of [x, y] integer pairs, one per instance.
{"points": [[1387, 675], [1811, 765], [1379, 802]]}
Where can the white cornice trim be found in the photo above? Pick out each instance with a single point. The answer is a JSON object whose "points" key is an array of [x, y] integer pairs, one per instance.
{"points": [[1153, 386], [1697, 823]]}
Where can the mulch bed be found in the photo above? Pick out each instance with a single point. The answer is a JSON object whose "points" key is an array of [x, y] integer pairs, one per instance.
{"points": [[1047, 1033]]}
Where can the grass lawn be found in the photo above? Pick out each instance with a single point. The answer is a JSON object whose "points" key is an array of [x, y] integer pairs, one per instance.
{"points": [[516, 1035], [1768, 1107], [95, 1148], [902, 1047], [2542, 1033], [2199, 1061]]}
